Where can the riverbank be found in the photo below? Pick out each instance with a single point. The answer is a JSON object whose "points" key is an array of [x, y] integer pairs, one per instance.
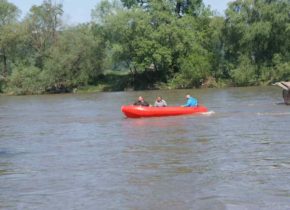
{"points": [[114, 81]]}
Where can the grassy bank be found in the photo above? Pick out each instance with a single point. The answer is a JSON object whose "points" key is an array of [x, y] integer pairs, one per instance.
{"points": [[112, 81]]}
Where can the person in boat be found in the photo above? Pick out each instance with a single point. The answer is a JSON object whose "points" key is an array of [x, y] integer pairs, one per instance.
{"points": [[141, 102], [160, 102], [191, 102]]}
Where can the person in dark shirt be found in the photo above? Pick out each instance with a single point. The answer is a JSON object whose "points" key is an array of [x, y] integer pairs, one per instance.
{"points": [[141, 102]]}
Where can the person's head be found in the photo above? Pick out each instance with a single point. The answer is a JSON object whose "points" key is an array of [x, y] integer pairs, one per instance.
{"points": [[187, 96], [158, 98], [140, 98]]}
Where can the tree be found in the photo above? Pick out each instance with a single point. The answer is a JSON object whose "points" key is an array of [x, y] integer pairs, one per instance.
{"points": [[105, 9], [180, 7], [155, 43], [8, 16], [76, 59], [258, 30], [131, 3], [188, 7], [8, 13], [44, 24]]}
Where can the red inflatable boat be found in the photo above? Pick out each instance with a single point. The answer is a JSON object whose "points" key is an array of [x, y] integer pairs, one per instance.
{"points": [[132, 111]]}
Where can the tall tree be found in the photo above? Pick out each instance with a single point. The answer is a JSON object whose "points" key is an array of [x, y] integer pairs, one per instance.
{"points": [[131, 3], [76, 59], [8, 16], [180, 7], [155, 43], [256, 31], [189, 7], [44, 23]]}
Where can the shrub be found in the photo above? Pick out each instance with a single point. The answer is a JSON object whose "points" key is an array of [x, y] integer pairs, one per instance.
{"points": [[194, 70], [245, 73], [26, 80]]}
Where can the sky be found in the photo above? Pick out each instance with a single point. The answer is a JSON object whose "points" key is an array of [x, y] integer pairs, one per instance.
{"points": [[79, 11]]}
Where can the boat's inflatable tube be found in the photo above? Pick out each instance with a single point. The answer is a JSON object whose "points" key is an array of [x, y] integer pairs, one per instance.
{"points": [[132, 111]]}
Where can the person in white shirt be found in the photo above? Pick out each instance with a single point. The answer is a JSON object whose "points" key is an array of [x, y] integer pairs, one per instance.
{"points": [[160, 102]]}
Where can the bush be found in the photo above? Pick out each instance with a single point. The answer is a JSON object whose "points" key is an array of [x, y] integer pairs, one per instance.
{"points": [[281, 72], [26, 80], [245, 73], [194, 70]]}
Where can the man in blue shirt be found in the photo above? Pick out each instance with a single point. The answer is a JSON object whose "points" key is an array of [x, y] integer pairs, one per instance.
{"points": [[190, 101]]}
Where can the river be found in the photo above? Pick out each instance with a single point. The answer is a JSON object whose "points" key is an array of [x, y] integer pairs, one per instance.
{"points": [[78, 151]]}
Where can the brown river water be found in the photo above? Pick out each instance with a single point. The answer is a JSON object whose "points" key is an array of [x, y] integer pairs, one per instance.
{"points": [[78, 151]]}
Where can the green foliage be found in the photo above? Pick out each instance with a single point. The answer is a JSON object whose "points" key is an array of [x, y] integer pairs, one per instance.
{"points": [[280, 70], [2, 81], [105, 9], [76, 59], [155, 40], [258, 29], [185, 7], [194, 70], [131, 3], [9, 38], [42, 23], [245, 73], [114, 81], [148, 44], [8, 13], [25, 80]]}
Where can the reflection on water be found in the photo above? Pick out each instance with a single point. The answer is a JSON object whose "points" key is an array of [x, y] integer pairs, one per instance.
{"points": [[80, 152]]}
